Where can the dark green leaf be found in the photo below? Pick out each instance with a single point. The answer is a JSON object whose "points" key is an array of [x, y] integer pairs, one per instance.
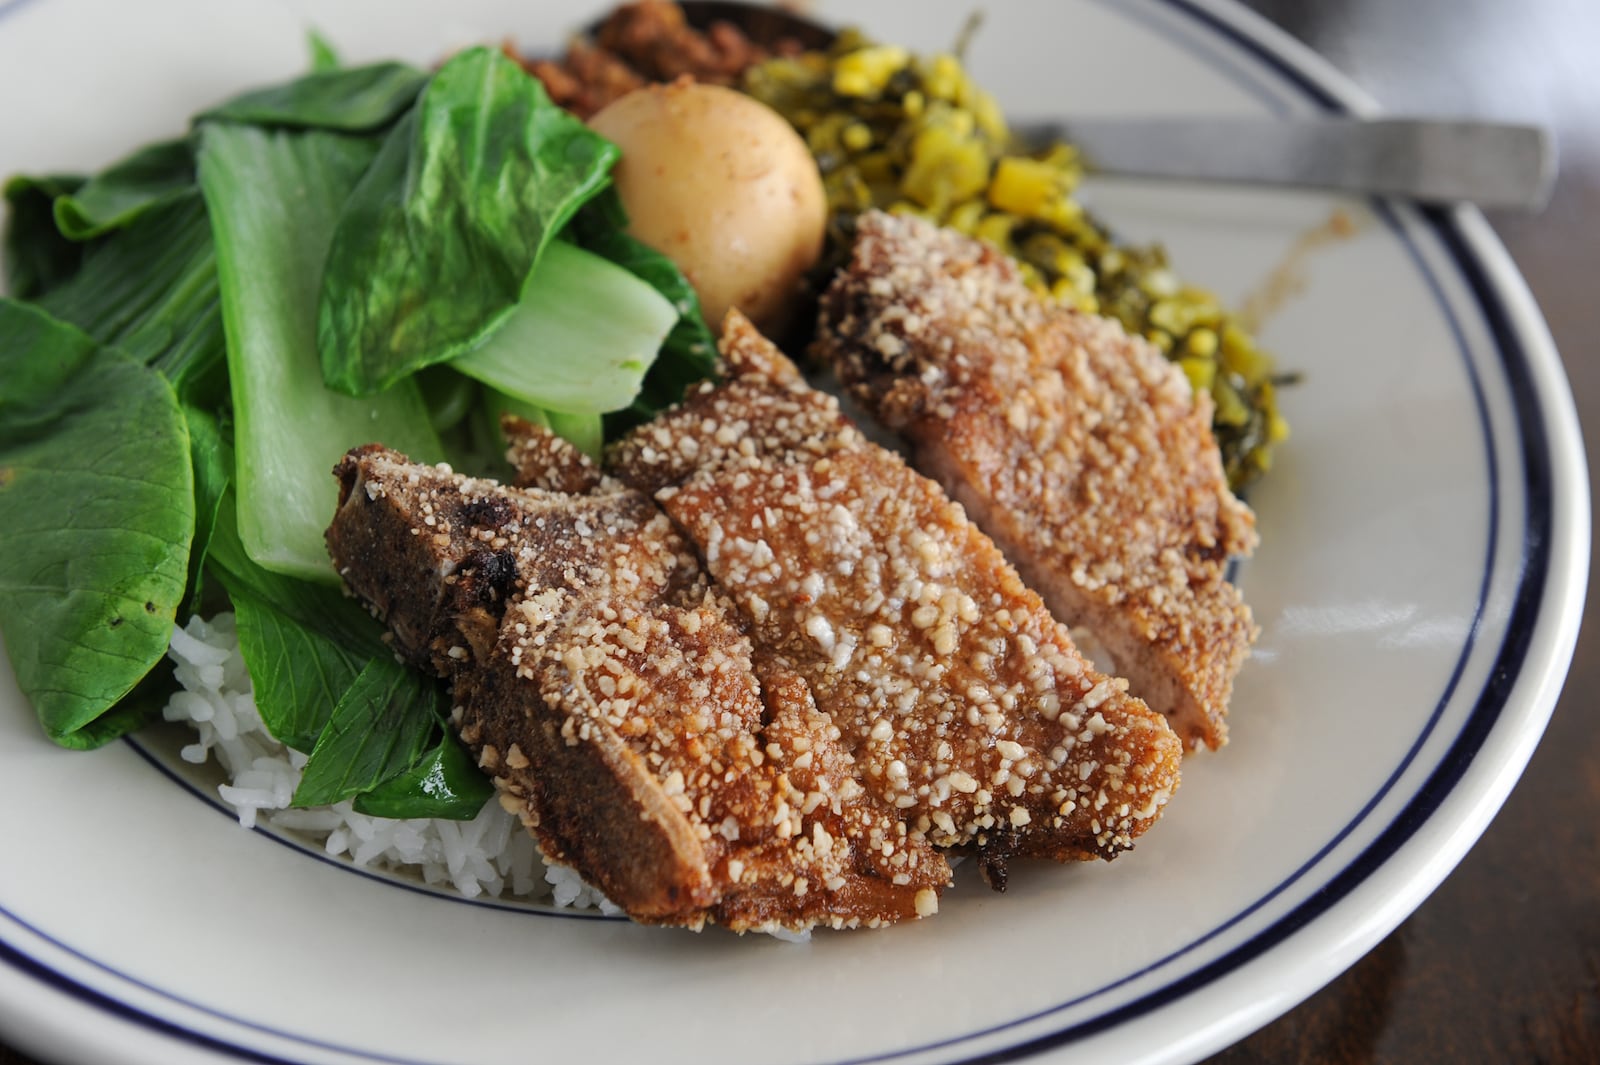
{"points": [[350, 100], [298, 675], [304, 644], [96, 519], [212, 458], [150, 289], [449, 395], [133, 711], [446, 783], [273, 197], [315, 606], [689, 354], [35, 257], [437, 242], [380, 729], [324, 56], [151, 177]]}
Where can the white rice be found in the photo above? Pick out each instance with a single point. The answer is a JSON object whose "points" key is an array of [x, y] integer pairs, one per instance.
{"points": [[491, 855]]}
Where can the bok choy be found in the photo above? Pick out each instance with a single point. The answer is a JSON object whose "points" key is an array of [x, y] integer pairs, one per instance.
{"points": [[199, 331]]}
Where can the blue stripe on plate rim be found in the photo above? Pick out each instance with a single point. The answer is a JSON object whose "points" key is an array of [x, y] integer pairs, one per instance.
{"points": [[1244, 37]]}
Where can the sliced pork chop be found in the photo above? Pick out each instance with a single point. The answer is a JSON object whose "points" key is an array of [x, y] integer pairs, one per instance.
{"points": [[1082, 451], [962, 701], [613, 696]]}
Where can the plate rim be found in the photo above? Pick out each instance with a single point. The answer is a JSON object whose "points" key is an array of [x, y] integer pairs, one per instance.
{"points": [[1545, 418]]}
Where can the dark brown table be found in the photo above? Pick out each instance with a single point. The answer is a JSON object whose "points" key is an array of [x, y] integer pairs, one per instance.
{"points": [[1502, 964]]}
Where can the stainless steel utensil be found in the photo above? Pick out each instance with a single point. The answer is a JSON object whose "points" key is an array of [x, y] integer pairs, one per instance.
{"points": [[1432, 160]]}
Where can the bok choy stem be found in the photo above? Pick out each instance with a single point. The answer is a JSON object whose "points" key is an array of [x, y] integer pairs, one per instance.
{"points": [[273, 198], [581, 338]]}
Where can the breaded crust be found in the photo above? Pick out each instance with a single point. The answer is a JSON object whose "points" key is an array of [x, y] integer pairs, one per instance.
{"points": [[1082, 451], [962, 701], [614, 697]]}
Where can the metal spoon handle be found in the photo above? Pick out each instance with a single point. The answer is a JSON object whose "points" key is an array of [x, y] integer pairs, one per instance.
{"points": [[1431, 160]]}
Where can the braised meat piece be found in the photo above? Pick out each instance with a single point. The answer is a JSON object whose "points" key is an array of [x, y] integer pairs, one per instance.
{"points": [[1082, 451], [961, 700], [652, 41], [611, 692]]}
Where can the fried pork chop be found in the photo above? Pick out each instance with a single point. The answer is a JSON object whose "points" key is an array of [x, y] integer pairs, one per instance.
{"points": [[613, 695], [1080, 450], [963, 703]]}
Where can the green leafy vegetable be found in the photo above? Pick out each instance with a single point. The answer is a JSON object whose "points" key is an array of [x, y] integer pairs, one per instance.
{"points": [[320, 608], [96, 519], [34, 256], [580, 339], [304, 644], [445, 783], [273, 198], [212, 458], [379, 730], [586, 431], [298, 675], [132, 712], [324, 56], [449, 395], [167, 428], [435, 246], [149, 178], [689, 353], [150, 289], [341, 99]]}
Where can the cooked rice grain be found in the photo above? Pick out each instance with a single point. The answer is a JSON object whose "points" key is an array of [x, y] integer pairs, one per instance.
{"points": [[490, 855]]}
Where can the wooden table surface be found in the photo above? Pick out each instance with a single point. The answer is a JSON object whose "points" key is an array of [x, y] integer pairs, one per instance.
{"points": [[1502, 963]]}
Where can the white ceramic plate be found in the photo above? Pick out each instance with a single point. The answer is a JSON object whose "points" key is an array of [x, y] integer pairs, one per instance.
{"points": [[1424, 544]]}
